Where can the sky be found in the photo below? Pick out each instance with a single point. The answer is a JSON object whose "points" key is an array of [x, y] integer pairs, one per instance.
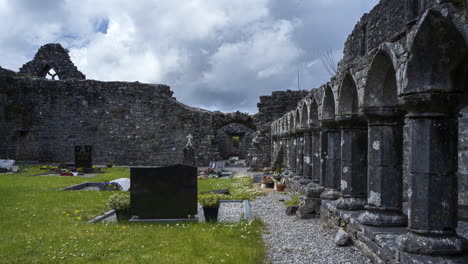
{"points": [[215, 54]]}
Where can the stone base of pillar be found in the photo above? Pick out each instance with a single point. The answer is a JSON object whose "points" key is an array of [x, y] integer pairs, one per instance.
{"points": [[314, 190], [330, 194], [305, 181], [432, 244], [376, 217], [309, 208], [351, 203]]}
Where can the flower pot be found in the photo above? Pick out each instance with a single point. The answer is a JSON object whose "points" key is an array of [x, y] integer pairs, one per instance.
{"points": [[211, 214], [270, 185], [122, 214], [280, 187]]}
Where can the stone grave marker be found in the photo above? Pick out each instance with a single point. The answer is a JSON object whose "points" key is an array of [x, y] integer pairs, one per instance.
{"points": [[83, 156], [7, 164], [123, 182], [163, 193], [189, 152], [217, 165], [257, 178]]}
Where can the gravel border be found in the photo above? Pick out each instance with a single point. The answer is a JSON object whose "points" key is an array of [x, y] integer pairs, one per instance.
{"points": [[293, 240]]}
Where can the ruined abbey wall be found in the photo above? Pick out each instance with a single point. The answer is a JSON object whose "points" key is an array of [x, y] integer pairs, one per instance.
{"points": [[126, 123], [386, 137]]}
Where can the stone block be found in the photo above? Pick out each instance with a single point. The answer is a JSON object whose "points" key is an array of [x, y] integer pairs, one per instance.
{"points": [[342, 238]]}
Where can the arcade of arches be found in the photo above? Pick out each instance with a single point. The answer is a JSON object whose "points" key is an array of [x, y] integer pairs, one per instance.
{"points": [[386, 140]]}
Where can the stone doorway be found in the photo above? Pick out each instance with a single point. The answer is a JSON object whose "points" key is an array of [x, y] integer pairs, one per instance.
{"points": [[234, 140]]}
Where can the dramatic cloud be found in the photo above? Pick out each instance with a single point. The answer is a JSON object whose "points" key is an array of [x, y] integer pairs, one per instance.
{"points": [[215, 54]]}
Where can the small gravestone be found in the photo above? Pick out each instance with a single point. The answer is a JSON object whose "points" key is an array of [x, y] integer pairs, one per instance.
{"points": [[83, 156], [7, 164], [257, 178], [123, 182], [189, 152], [217, 165], [163, 193]]}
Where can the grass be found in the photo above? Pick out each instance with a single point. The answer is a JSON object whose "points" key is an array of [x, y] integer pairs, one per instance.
{"points": [[240, 188], [293, 201], [41, 224]]}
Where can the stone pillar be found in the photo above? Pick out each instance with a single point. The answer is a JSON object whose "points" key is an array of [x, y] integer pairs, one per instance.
{"points": [[285, 151], [385, 159], [300, 154], [433, 192], [353, 170], [307, 165], [315, 156], [330, 159], [293, 153]]}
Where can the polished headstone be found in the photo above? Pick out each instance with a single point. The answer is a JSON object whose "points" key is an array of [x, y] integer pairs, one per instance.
{"points": [[83, 156], [163, 192]]}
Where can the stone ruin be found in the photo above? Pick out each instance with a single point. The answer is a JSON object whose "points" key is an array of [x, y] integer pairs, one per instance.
{"points": [[43, 116], [381, 149], [384, 143], [53, 61]]}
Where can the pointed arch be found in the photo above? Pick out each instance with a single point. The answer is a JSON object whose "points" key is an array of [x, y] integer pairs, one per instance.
{"points": [[436, 50], [381, 87], [291, 122], [328, 105], [304, 116], [348, 99], [313, 112], [297, 118]]}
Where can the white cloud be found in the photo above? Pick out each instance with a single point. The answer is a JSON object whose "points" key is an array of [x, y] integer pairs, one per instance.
{"points": [[218, 54]]}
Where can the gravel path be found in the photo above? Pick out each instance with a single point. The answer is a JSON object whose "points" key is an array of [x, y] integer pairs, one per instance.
{"points": [[228, 212], [292, 240]]}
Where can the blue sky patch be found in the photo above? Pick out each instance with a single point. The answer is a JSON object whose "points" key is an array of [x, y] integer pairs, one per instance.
{"points": [[102, 25]]}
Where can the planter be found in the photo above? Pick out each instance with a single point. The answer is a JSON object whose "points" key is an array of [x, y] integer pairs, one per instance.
{"points": [[270, 185], [280, 187], [211, 214], [122, 214]]}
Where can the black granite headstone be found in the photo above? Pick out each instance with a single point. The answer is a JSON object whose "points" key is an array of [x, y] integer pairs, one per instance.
{"points": [[163, 192], [83, 156]]}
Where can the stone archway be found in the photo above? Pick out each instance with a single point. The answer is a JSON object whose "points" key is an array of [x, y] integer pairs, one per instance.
{"points": [[234, 140], [328, 106], [348, 99]]}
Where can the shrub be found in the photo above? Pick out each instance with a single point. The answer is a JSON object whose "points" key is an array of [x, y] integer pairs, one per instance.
{"points": [[119, 201], [294, 201], [209, 199]]}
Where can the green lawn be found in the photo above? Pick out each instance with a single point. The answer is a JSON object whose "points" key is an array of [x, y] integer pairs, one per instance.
{"points": [[40, 224]]}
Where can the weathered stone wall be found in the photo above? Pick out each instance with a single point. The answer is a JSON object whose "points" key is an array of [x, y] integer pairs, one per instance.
{"points": [[127, 123], [270, 108]]}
